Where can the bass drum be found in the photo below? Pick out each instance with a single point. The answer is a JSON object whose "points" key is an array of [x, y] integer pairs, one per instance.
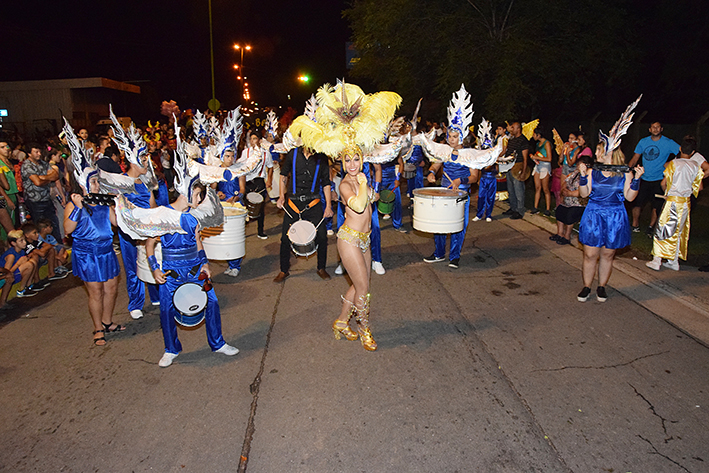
{"points": [[142, 267], [227, 242], [190, 301], [439, 210]]}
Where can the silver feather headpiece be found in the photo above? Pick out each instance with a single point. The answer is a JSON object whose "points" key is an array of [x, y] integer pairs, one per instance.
{"points": [[80, 158], [130, 141], [484, 134], [230, 134], [182, 181], [460, 113], [311, 106], [199, 125], [612, 140], [272, 124]]}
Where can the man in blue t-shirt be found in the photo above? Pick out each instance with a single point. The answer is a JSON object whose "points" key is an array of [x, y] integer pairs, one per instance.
{"points": [[654, 149]]}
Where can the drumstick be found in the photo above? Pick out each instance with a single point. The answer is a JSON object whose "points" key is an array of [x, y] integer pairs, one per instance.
{"points": [[449, 178], [286, 211]]}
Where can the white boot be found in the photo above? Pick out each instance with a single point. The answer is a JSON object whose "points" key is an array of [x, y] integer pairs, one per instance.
{"points": [[655, 263]]}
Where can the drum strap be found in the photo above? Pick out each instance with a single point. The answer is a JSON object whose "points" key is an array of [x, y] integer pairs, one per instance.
{"points": [[310, 205]]}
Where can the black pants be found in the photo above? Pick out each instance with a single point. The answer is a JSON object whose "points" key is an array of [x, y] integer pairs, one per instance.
{"points": [[258, 185], [313, 215]]}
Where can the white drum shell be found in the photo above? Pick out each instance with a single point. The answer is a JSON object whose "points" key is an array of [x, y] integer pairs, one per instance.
{"points": [[302, 238], [439, 213], [142, 267], [227, 242]]}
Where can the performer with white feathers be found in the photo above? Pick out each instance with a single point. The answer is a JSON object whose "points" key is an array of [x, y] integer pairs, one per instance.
{"points": [[347, 122], [183, 258], [460, 167], [259, 180], [604, 227], [93, 258], [487, 184], [137, 185]]}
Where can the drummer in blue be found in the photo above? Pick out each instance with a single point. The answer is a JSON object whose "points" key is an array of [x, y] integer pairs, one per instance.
{"points": [[183, 258], [455, 176]]}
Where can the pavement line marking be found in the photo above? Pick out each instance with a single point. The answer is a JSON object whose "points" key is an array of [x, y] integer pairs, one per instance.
{"points": [[254, 388]]}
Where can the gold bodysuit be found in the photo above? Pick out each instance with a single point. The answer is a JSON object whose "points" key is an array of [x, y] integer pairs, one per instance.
{"points": [[354, 238]]}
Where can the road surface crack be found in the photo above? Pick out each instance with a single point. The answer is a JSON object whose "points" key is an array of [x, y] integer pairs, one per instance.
{"points": [[664, 421], [657, 452], [254, 388], [602, 367]]}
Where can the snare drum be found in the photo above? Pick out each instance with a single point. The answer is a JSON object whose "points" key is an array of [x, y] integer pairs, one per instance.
{"points": [[302, 238], [254, 204], [409, 171], [439, 210], [190, 301]]}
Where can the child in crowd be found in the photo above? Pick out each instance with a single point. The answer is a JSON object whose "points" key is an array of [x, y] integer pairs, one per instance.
{"points": [[20, 266], [45, 229], [42, 254], [571, 206]]}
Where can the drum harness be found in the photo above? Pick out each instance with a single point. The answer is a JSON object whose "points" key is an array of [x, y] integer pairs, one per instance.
{"points": [[303, 198]]}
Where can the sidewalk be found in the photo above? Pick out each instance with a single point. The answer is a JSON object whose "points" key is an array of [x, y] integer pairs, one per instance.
{"points": [[688, 289]]}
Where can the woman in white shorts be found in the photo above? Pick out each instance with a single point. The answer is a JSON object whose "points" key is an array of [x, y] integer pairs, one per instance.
{"points": [[542, 171]]}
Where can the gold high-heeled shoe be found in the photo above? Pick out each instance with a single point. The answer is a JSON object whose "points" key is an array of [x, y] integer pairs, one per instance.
{"points": [[362, 318], [340, 327]]}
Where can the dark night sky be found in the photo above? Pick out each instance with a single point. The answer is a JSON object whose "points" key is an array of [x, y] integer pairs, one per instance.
{"points": [[166, 42]]}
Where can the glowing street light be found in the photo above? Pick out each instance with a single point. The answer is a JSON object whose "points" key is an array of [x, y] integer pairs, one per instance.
{"points": [[240, 67], [303, 78]]}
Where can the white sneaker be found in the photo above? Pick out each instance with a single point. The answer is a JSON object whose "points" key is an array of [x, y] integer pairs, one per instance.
{"points": [[386, 217], [136, 314], [330, 233], [654, 264], [339, 270], [488, 219], [673, 265], [233, 272], [378, 267], [400, 229], [166, 359], [476, 218], [228, 350]]}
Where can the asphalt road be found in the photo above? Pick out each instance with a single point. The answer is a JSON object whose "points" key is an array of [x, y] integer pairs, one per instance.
{"points": [[494, 367]]}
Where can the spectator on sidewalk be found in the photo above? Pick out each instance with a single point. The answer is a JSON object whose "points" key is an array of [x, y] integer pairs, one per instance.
{"points": [[44, 226], [43, 253], [110, 161], [517, 146], [570, 208], [37, 176], [654, 151], [6, 167], [542, 170], [19, 264]]}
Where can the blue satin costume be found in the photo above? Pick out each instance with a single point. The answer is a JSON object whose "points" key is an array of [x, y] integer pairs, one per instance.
{"points": [[605, 220], [129, 253], [376, 235], [388, 182], [455, 171], [415, 182], [179, 252], [92, 255], [486, 193], [162, 196], [231, 188]]}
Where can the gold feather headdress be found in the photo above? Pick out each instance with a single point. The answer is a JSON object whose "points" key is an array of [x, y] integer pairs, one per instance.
{"points": [[348, 121]]}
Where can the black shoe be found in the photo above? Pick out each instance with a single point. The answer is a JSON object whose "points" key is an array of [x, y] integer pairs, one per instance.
{"points": [[546, 213], [601, 295], [433, 259], [508, 212], [515, 216], [554, 237], [26, 292], [39, 286], [534, 211], [563, 241], [58, 275], [704, 269], [650, 232], [583, 295], [454, 263]]}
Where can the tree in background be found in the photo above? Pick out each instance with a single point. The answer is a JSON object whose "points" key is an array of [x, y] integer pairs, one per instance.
{"points": [[517, 58]]}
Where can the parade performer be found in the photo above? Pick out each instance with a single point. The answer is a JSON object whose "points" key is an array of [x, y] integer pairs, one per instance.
{"points": [[231, 191], [487, 184], [349, 121], [460, 167], [259, 180], [391, 179], [184, 260], [93, 258], [137, 185], [604, 225], [683, 178]]}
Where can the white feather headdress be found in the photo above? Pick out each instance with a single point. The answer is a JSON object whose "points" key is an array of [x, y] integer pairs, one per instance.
{"points": [[230, 134], [612, 140], [182, 182], [80, 158], [199, 126], [311, 107], [484, 134], [460, 113], [272, 124], [130, 141]]}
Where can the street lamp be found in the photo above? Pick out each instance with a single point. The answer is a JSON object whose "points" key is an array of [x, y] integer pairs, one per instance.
{"points": [[239, 47]]}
